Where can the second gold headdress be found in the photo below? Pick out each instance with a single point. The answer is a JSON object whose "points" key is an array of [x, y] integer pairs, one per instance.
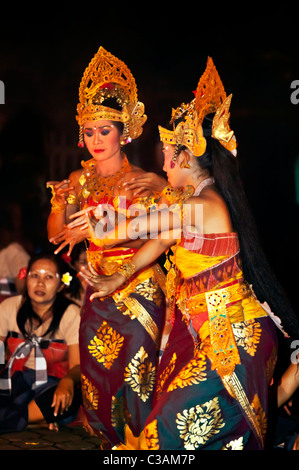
{"points": [[108, 77], [210, 97]]}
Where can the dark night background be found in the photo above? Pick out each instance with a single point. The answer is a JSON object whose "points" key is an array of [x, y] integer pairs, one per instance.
{"points": [[257, 56]]}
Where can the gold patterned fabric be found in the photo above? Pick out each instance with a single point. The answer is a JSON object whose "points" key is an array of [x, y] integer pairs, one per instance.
{"points": [[208, 421], [118, 349], [212, 382]]}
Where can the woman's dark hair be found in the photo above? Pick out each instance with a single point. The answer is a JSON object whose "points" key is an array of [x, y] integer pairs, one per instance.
{"points": [[223, 166], [75, 285], [112, 103], [26, 316]]}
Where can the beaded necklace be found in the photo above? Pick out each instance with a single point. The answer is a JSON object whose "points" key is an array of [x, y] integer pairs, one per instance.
{"points": [[98, 187], [202, 185]]}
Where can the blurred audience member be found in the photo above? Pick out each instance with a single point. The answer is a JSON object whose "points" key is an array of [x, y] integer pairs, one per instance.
{"points": [[13, 257]]}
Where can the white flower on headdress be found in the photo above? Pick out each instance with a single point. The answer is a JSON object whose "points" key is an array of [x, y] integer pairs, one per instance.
{"points": [[66, 279]]}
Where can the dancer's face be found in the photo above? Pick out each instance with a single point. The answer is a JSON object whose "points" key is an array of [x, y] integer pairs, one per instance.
{"points": [[172, 169], [102, 139]]}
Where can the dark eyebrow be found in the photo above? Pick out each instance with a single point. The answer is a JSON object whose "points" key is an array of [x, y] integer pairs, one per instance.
{"points": [[100, 127]]}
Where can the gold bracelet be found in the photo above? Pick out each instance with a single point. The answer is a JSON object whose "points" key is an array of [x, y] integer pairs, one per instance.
{"points": [[57, 207], [127, 270]]}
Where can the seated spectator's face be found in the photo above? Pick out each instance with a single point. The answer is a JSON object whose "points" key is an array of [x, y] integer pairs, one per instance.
{"points": [[43, 282]]}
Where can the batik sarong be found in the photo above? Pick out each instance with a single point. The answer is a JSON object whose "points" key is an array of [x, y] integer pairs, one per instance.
{"points": [[119, 345], [212, 385]]}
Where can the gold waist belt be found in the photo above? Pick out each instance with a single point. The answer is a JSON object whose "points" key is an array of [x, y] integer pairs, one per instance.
{"points": [[210, 317], [109, 264], [230, 294]]}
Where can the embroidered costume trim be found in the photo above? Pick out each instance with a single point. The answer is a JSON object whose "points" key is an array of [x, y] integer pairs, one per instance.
{"points": [[235, 389], [224, 352], [143, 317]]}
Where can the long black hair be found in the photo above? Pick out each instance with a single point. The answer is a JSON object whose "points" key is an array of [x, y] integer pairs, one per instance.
{"points": [[27, 318], [74, 289], [224, 167]]}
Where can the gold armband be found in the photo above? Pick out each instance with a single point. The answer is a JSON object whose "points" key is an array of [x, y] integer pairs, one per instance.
{"points": [[127, 270]]}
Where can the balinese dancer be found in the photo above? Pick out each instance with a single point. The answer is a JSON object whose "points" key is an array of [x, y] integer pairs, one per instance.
{"points": [[212, 387], [119, 334]]}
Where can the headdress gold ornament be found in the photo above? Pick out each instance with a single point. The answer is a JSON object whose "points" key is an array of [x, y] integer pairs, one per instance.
{"points": [[220, 128], [108, 77], [210, 97]]}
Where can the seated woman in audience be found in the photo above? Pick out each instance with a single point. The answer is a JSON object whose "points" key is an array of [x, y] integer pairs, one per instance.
{"points": [[41, 378]]}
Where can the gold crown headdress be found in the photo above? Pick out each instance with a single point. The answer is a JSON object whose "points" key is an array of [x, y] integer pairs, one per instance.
{"points": [[210, 97], [108, 77]]}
